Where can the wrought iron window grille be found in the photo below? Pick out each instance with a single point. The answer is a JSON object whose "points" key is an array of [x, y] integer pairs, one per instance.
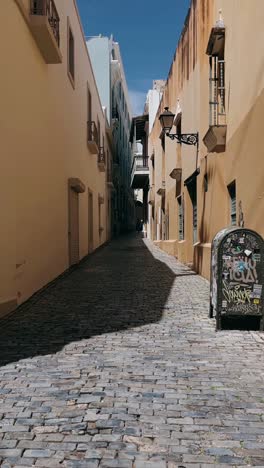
{"points": [[47, 8]]}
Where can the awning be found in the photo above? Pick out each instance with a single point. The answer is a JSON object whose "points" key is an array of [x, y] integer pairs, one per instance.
{"points": [[192, 177]]}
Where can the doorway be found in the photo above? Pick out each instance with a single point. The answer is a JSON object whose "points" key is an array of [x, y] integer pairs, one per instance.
{"points": [[73, 227], [90, 222]]}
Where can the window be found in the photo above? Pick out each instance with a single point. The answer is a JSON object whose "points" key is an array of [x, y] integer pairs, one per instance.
{"points": [[178, 127], [99, 218], [192, 189], [162, 137], [167, 224], [217, 90], [216, 52], [89, 105], [109, 167], [206, 182], [47, 30], [180, 218], [232, 197], [71, 70], [99, 132]]}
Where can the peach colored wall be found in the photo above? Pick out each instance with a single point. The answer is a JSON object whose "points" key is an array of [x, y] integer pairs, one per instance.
{"points": [[44, 143], [243, 158]]}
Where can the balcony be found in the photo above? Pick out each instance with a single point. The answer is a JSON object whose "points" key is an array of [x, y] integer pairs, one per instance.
{"points": [[44, 23], [176, 174], [101, 159], [162, 189], [215, 138], [140, 172], [151, 196], [92, 137]]}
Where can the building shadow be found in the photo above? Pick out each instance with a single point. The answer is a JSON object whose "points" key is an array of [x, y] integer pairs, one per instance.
{"points": [[120, 287]]}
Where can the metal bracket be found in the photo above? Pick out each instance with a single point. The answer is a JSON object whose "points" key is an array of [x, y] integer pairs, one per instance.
{"points": [[185, 138]]}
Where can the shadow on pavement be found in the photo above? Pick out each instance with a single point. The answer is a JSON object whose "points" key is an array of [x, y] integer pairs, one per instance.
{"points": [[119, 287]]}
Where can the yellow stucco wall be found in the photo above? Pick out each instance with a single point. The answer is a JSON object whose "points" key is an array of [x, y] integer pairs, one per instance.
{"points": [[243, 158], [43, 144]]}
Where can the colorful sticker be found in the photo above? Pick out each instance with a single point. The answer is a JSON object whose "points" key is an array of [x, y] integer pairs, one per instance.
{"points": [[248, 252], [257, 290], [226, 257]]}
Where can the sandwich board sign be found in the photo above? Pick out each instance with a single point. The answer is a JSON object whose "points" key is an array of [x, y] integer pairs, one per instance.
{"points": [[237, 275]]}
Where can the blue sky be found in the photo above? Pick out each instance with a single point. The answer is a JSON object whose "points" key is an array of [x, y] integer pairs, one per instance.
{"points": [[147, 32]]}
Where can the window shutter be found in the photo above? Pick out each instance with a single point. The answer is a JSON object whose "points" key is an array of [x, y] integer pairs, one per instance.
{"points": [[195, 223], [180, 219]]}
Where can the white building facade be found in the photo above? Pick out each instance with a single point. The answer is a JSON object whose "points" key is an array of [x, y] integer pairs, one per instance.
{"points": [[111, 82]]}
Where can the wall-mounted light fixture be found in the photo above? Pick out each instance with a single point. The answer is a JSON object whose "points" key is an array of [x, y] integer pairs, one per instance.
{"points": [[166, 119]]}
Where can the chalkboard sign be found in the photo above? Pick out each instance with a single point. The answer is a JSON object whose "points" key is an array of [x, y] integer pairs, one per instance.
{"points": [[237, 274]]}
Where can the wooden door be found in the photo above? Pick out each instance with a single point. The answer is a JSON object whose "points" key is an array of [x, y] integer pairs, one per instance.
{"points": [[73, 227], [90, 222]]}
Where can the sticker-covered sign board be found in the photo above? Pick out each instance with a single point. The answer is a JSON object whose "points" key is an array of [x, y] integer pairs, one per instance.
{"points": [[237, 274]]}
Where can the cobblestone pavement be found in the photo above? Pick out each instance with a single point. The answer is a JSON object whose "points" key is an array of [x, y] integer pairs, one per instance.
{"points": [[117, 365]]}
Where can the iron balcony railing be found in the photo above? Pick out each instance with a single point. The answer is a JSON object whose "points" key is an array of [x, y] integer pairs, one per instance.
{"points": [[92, 132], [217, 92], [140, 163], [101, 155], [47, 8]]}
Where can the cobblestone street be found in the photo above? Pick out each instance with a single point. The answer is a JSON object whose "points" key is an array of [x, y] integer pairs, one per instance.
{"points": [[116, 364]]}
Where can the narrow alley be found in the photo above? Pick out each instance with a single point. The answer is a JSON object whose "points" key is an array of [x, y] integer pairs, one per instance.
{"points": [[116, 364]]}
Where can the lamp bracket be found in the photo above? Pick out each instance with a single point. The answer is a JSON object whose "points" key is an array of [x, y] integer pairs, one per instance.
{"points": [[185, 138]]}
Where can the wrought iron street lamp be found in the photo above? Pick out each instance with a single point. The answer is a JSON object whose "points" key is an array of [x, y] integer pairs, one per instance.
{"points": [[166, 119]]}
